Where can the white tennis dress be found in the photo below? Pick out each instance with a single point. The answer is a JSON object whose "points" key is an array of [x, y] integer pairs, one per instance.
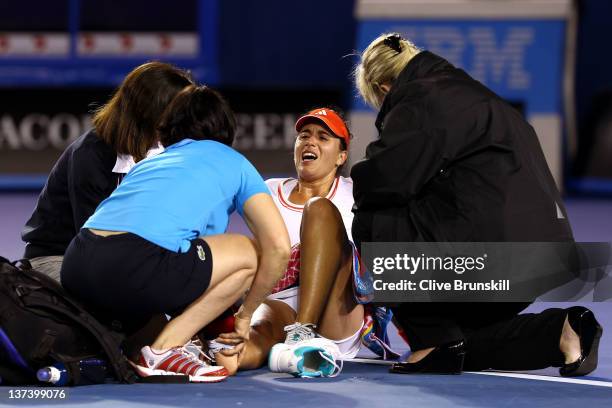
{"points": [[341, 195]]}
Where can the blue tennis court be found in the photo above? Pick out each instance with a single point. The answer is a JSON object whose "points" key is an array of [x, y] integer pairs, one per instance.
{"points": [[359, 384]]}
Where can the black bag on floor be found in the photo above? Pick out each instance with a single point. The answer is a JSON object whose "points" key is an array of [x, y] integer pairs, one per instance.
{"points": [[41, 325]]}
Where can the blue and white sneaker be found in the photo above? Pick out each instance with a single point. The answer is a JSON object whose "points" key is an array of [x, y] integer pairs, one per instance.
{"points": [[311, 358], [298, 332]]}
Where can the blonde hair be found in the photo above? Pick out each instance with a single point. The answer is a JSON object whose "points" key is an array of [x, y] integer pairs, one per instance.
{"points": [[381, 64]]}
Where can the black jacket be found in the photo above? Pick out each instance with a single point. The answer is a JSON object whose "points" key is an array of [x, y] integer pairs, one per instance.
{"points": [[78, 182], [454, 162]]}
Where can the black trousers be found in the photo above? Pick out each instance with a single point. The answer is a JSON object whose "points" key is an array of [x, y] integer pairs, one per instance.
{"points": [[495, 335]]}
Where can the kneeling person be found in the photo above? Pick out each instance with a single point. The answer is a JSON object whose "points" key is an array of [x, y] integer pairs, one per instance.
{"points": [[157, 244]]}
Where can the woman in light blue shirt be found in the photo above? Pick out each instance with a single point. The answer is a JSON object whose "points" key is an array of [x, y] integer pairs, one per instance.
{"points": [[158, 243]]}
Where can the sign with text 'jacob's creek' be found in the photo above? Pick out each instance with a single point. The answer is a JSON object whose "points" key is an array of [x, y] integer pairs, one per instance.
{"points": [[515, 47], [31, 142], [37, 124]]}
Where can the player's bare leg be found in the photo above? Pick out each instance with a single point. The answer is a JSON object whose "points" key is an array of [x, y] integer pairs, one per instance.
{"points": [[326, 293]]}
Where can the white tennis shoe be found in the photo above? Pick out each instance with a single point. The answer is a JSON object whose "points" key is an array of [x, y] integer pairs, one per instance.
{"points": [[316, 357], [297, 332]]}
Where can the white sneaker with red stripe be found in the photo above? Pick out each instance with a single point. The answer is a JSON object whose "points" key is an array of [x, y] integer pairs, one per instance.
{"points": [[177, 361]]}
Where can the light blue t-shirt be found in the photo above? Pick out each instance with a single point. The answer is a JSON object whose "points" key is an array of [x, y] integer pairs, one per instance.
{"points": [[187, 191]]}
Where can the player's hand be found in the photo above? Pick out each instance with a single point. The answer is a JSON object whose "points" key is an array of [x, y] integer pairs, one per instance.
{"points": [[237, 338]]}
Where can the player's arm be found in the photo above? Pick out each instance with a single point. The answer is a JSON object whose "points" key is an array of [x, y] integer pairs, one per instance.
{"points": [[270, 233]]}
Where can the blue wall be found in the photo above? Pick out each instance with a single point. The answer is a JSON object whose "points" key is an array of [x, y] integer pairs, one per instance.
{"points": [[594, 59], [276, 43]]}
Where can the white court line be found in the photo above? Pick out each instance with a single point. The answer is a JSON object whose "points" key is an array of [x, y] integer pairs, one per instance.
{"points": [[545, 378], [370, 361], [502, 374]]}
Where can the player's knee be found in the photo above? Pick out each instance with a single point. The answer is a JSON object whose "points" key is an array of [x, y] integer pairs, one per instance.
{"points": [[321, 208]]}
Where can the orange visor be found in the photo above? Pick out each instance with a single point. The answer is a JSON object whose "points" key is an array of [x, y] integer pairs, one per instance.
{"points": [[330, 119]]}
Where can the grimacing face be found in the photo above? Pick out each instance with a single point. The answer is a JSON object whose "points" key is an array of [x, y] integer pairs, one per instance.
{"points": [[317, 152]]}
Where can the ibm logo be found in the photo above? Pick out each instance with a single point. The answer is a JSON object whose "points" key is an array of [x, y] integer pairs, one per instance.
{"points": [[497, 57]]}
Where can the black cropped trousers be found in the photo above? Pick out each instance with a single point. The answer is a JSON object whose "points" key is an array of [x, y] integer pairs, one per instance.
{"points": [[496, 336]]}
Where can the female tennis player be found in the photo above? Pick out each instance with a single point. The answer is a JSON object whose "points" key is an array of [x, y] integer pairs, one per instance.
{"points": [[313, 308]]}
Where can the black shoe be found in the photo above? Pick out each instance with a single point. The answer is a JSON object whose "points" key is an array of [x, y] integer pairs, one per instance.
{"points": [[445, 359], [585, 325]]}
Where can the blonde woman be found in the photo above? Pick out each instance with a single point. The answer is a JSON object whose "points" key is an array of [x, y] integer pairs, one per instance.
{"points": [[454, 162]]}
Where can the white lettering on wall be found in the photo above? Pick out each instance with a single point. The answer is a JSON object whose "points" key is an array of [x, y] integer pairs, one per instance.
{"points": [[32, 129], [265, 131], [63, 129], [9, 135], [496, 61], [498, 56], [38, 131], [446, 41]]}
